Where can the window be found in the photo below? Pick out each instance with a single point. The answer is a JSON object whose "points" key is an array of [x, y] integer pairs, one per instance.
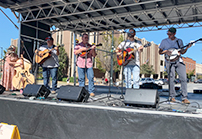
{"points": [[161, 62], [61, 38], [57, 37]]}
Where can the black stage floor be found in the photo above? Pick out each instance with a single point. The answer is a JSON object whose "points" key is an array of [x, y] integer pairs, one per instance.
{"points": [[104, 116], [114, 97]]}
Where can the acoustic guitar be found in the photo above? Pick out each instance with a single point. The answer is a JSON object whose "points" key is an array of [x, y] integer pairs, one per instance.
{"points": [[128, 54], [42, 56], [22, 75], [175, 52], [84, 53]]}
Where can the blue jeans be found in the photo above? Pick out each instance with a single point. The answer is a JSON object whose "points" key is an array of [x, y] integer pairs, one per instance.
{"points": [[135, 70], [46, 76], [90, 76]]}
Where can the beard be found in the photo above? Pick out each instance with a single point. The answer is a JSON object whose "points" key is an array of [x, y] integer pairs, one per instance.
{"points": [[131, 35]]}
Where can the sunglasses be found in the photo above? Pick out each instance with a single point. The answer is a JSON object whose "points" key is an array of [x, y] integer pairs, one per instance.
{"points": [[169, 34], [48, 40]]}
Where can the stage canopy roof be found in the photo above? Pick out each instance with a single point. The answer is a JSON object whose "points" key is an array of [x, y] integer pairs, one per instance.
{"points": [[100, 15]]}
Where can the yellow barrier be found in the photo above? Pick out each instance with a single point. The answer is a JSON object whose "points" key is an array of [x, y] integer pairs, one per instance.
{"points": [[9, 131]]}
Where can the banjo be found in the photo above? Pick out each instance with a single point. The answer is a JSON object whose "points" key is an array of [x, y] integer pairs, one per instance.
{"points": [[175, 52]]}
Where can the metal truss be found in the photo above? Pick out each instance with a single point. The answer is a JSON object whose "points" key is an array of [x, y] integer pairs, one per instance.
{"points": [[99, 15]]}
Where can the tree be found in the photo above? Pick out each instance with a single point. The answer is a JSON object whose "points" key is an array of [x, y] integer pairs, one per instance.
{"points": [[191, 73], [146, 69], [165, 73], [62, 70], [199, 77], [103, 59]]}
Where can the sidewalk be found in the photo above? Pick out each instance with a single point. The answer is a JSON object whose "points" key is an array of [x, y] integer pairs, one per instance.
{"points": [[60, 83]]}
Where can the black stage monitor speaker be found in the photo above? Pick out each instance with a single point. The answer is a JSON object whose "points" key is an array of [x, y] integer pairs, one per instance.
{"points": [[36, 90], [73, 93], [142, 97], [2, 89], [150, 86]]}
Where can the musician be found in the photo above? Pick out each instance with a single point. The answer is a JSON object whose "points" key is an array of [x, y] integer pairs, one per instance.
{"points": [[8, 69], [173, 42], [50, 66], [133, 67], [85, 65]]}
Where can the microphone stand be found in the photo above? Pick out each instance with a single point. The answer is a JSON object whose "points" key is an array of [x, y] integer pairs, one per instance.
{"points": [[85, 67], [122, 97], [111, 69], [109, 92], [169, 69]]}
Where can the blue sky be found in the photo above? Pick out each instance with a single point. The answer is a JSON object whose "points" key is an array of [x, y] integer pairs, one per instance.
{"points": [[9, 31], [186, 34]]}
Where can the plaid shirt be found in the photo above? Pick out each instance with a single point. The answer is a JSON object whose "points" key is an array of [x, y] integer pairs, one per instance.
{"points": [[81, 60]]}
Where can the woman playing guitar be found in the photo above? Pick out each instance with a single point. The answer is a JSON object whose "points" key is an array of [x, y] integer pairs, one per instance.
{"points": [[8, 69]]}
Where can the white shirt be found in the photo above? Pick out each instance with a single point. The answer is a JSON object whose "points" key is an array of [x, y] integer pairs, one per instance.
{"points": [[132, 44], [168, 43], [52, 61]]}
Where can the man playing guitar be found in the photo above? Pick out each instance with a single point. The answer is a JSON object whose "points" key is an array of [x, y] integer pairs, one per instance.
{"points": [[85, 63], [133, 65], [51, 64], [175, 65]]}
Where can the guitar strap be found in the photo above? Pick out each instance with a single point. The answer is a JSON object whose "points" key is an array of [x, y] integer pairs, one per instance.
{"points": [[135, 51], [56, 61], [178, 44], [135, 41], [124, 45]]}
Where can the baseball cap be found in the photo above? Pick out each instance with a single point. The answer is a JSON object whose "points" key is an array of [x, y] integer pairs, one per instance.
{"points": [[172, 30], [48, 38]]}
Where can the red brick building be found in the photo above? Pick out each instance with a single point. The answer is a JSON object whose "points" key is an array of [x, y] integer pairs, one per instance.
{"points": [[190, 64]]}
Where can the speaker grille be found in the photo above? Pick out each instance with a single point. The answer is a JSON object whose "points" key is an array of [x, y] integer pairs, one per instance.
{"points": [[141, 96], [36, 90], [73, 93]]}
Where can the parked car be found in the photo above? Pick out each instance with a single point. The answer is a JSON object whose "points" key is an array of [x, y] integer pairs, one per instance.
{"points": [[177, 81], [198, 81], [124, 81], [159, 82], [142, 80], [146, 80], [165, 81]]}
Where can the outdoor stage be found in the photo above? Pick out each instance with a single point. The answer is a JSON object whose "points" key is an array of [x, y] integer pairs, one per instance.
{"points": [[101, 117]]}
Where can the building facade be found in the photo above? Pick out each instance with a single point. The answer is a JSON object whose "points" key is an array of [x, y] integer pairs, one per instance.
{"points": [[190, 64], [14, 42], [198, 69], [149, 54]]}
